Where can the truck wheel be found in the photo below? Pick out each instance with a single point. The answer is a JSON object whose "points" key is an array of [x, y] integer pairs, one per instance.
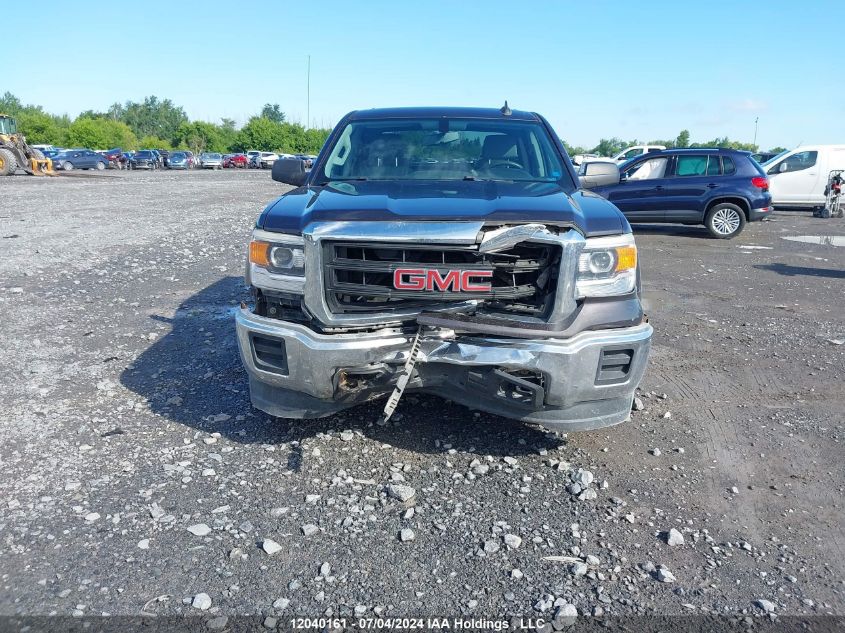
{"points": [[7, 163], [725, 221]]}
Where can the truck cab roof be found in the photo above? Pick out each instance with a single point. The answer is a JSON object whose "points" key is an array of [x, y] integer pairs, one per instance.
{"points": [[450, 112]]}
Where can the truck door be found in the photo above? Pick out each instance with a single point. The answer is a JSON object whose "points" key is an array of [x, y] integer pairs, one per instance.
{"points": [[797, 179]]}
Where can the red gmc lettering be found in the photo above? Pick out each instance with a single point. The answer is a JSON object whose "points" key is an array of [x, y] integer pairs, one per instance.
{"points": [[468, 286], [416, 279], [432, 279]]}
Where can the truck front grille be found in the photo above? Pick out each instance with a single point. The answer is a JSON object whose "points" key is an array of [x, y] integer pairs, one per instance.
{"points": [[359, 277]]}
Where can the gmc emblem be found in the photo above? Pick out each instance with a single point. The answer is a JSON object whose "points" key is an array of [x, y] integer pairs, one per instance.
{"points": [[431, 279]]}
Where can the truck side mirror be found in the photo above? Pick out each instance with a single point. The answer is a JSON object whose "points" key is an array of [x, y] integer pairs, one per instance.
{"points": [[599, 175], [290, 171]]}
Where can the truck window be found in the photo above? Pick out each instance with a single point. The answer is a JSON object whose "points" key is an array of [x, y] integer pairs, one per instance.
{"points": [[796, 162], [444, 149]]}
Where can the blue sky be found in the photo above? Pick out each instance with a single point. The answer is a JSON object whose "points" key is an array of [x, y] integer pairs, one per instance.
{"points": [[595, 69]]}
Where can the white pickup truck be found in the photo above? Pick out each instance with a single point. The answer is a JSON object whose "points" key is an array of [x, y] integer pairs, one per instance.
{"points": [[798, 178]]}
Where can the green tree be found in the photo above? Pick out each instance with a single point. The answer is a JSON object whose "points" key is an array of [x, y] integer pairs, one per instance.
{"points": [[777, 150], [683, 139], [153, 117], [228, 133], [260, 133], [151, 141], [100, 134], [40, 128], [611, 146], [10, 104], [273, 112], [200, 137]]}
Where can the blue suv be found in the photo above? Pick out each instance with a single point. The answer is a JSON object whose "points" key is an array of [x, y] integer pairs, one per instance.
{"points": [[719, 188]]}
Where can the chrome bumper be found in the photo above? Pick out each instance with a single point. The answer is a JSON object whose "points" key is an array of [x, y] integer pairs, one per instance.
{"points": [[320, 374]]}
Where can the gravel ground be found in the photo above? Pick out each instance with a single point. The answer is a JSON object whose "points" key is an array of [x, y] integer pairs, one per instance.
{"points": [[136, 478]]}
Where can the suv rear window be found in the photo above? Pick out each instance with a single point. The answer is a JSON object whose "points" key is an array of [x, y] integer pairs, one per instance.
{"points": [[702, 165], [728, 166]]}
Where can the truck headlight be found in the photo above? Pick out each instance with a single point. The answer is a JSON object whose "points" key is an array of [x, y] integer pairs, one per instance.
{"points": [[607, 266], [284, 256]]}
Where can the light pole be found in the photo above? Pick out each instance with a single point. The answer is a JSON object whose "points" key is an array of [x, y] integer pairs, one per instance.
{"points": [[755, 131], [308, 96]]}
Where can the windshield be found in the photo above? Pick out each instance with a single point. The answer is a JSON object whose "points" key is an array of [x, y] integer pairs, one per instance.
{"points": [[144, 154], [443, 149], [177, 155], [774, 158]]}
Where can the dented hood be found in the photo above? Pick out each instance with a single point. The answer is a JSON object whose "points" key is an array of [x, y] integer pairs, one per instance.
{"points": [[410, 201]]}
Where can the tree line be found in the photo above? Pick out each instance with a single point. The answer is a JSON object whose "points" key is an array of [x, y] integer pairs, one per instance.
{"points": [[160, 124], [613, 146]]}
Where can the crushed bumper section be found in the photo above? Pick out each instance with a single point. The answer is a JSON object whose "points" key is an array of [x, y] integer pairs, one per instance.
{"points": [[583, 382]]}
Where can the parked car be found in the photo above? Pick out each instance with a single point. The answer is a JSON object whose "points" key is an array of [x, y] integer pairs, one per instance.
{"points": [[178, 160], [577, 159], [79, 159], [113, 157], [266, 159], [719, 188], [211, 160], [144, 159], [764, 157], [235, 160], [799, 177], [636, 150], [252, 158]]}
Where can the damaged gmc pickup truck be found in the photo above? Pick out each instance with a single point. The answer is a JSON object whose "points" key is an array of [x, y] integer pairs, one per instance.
{"points": [[445, 250]]}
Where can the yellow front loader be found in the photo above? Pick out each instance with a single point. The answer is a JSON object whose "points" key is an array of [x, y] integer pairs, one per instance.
{"points": [[16, 154]]}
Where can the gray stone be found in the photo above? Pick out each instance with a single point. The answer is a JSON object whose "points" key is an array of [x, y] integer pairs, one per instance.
{"points": [[270, 546], [664, 575], [401, 492], [201, 601], [325, 569], [674, 537], [218, 624], [281, 604], [578, 569], [491, 546], [513, 541], [765, 605], [566, 614], [584, 477], [200, 529], [347, 436], [637, 405], [309, 529], [406, 534]]}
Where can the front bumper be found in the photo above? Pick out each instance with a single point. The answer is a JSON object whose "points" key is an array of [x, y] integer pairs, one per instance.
{"points": [[583, 382]]}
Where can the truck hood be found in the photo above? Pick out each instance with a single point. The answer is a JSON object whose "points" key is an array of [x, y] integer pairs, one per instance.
{"points": [[411, 201]]}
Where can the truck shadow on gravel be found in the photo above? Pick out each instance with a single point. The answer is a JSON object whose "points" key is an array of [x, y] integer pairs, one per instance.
{"points": [[193, 376]]}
